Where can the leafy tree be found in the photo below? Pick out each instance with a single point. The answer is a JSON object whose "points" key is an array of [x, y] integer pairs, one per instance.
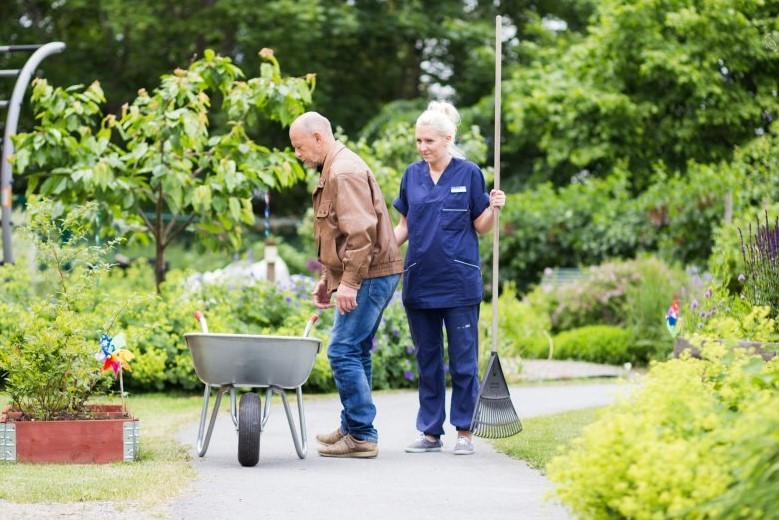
{"points": [[366, 53], [653, 81], [159, 168]]}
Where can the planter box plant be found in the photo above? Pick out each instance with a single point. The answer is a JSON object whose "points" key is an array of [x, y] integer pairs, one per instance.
{"points": [[56, 354]]}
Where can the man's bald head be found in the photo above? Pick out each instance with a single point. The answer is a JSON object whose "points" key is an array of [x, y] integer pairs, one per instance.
{"points": [[311, 122], [312, 137]]}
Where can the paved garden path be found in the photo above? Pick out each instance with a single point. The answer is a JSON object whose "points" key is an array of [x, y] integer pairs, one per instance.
{"points": [[394, 485]]}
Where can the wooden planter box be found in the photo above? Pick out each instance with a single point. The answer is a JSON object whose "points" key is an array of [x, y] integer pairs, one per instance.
{"points": [[766, 350], [110, 437]]}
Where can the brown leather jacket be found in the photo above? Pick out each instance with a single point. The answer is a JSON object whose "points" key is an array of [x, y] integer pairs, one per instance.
{"points": [[353, 232]]}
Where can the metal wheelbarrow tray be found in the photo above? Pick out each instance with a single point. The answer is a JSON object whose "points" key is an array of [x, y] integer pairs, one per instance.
{"points": [[274, 363]]}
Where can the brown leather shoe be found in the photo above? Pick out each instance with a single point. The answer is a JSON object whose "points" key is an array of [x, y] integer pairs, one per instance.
{"points": [[350, 447], [327, 439]]}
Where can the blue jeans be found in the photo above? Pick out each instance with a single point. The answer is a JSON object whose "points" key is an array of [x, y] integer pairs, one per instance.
{"points": [[349, 353]]}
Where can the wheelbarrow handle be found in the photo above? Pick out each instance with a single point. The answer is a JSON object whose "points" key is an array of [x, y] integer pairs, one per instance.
{"points": [[310, 324], [202, 319]]}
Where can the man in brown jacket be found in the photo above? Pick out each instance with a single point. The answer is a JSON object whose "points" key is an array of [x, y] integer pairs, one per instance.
{"points": [[361, 264]]}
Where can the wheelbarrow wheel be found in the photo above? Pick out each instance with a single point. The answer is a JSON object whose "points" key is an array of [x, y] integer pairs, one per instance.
{"points": [[249, 429]]}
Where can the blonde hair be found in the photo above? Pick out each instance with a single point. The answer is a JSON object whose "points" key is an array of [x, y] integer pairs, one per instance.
{"points": [[444, 118]]}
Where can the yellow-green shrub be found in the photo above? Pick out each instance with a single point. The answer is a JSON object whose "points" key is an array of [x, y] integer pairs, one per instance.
{"points": [[677, 446]]}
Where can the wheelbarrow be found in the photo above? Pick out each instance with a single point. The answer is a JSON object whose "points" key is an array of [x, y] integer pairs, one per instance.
{"points": [[225, 362]]}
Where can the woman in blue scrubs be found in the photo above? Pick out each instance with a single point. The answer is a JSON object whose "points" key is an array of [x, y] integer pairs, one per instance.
{"points": [[443, 205]]}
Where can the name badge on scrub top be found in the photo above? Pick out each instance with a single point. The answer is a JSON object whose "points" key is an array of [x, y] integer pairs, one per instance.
{"points": [[458, 189]]}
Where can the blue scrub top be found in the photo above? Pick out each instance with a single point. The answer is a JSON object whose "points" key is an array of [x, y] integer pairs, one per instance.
{"points": [[442, 266]]}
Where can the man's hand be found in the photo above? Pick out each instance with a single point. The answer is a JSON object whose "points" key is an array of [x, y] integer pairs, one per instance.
{"points": [[321, 296], [345, 299]]}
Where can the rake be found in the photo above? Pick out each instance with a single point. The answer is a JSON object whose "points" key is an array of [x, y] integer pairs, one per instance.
{"points": [[494, 416]]}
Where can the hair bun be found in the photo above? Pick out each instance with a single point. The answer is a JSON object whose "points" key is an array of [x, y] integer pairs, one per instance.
{"points": [[446, 108]]}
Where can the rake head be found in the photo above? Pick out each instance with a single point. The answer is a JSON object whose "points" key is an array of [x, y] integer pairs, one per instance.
{"points": [[495, 419], [494, 416]]}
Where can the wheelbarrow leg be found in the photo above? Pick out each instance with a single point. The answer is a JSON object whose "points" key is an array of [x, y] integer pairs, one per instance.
{"points": [[301, 441], [203, 440], [233, 408], [266, 410]]}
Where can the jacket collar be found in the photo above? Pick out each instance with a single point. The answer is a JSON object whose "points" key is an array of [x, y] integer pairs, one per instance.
{"points": [[334, 150]]}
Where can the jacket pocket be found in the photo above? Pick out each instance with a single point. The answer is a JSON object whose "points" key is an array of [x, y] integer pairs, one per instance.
{"points": [[323, 209], [328, 254]]}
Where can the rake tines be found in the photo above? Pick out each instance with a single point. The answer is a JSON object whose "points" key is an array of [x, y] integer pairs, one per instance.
{"points": [[495, 419], [494, 416]]}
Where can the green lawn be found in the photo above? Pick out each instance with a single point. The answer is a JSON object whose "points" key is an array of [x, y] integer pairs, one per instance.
{"points": [[162, 472], [542, 437]]}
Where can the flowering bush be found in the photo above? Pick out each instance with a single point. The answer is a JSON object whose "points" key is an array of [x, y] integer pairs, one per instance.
{"points": [[394, 363], [760, 251], [632, 294], [701, 299]]}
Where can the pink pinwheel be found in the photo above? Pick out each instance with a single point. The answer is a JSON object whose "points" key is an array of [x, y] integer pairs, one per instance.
{"points": [[672, 320], [113, 354]]}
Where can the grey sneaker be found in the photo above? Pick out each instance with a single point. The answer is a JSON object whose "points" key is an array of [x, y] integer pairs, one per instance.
{"points": [[464, 446], [423, 444]]}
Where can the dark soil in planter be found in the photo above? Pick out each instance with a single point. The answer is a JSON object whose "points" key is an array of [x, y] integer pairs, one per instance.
{"points": [[94, 412]]}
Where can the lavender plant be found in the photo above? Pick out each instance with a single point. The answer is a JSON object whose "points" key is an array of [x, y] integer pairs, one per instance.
{"points": [[760, 251]]}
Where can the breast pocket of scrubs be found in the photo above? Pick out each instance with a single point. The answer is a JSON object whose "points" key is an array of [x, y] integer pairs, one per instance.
{"points": [[455, 213]]}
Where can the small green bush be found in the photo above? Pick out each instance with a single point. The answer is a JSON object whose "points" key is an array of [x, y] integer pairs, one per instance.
{"points": [[595, 343], [523, 325], [48, 350]]}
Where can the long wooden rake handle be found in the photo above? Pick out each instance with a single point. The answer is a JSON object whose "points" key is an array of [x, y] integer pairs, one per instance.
{"points": [[496, 216]]}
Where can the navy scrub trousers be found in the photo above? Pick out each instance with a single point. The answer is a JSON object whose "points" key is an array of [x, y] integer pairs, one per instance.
{"points": [[462, 332]]}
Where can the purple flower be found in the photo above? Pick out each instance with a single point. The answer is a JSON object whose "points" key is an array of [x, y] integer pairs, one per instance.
{"points": [[314, 266], [694, 304], [410, 349], [408, 374], [741, 278], [708, 293]]}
